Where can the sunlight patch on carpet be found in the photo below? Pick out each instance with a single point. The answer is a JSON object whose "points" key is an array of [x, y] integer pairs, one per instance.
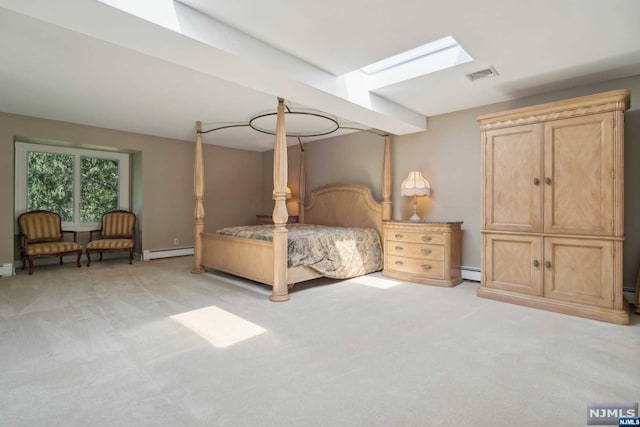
{"points": [[219, 327]]}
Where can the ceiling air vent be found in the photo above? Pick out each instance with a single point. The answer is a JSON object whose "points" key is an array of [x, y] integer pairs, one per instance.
{"points": [[483, 74]]}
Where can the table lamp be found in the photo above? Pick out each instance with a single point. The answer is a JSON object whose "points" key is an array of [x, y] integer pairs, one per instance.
{"points": [[415, 185]]}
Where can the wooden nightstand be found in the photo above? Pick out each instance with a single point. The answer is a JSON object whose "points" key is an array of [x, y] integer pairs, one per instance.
{"points": [[423, 252], [267, 219]]}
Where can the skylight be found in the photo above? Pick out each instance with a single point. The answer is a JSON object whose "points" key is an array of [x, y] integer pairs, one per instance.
{"points": [[431, 57]]}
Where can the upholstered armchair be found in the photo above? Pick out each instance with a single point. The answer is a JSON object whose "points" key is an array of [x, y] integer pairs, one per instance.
{"points": [[116, 234], [41, 235]]}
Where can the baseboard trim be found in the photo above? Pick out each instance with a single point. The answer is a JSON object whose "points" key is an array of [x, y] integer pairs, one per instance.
{"points": [[7, 269], [166, 253], [470, 273]]}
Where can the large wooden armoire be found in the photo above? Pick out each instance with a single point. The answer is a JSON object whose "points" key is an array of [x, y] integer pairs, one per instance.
{"points": [[553, 206]]}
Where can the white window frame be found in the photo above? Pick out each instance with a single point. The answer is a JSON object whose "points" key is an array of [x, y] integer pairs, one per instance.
{"points": [[22, 150]]}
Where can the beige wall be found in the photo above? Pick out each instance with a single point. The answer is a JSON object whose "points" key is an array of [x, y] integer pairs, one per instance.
{"points": [[448, 155], [325, 164], [162, 180]]}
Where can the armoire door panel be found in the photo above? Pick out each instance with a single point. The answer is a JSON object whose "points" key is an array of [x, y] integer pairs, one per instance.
{"points": [[513, 180], [578, 189], [579, 270], [513, 263]]}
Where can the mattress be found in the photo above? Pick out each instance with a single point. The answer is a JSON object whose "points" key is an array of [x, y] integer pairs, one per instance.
{"points": [[336, 252]]}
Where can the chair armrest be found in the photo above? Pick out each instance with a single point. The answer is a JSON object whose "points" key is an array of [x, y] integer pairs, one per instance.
{"points": [[94, 231], [75, 234]]}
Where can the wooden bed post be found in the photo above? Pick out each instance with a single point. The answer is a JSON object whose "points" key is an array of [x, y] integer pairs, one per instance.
{"points": [[301, 188], [198, 211], [386, 180], [279, 291]]}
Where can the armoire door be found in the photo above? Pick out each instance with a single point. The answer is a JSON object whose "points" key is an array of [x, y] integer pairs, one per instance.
{"points": [[513, 179], [579, 270], [513, 262], [578, 164]]}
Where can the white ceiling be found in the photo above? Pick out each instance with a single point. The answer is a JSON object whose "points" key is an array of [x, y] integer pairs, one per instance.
{"points": [[156, 71]]}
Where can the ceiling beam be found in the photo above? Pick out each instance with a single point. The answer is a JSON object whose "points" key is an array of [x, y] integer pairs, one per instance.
{"points": [[177, 34]]}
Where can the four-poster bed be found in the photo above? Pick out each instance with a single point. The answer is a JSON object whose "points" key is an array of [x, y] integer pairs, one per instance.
{"points": [[266, 261]]}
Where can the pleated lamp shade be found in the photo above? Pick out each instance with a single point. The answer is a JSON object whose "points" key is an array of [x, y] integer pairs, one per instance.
{"points": [[415, 185]]}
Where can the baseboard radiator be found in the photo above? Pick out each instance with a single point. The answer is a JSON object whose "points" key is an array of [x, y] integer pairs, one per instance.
{"points": [[7, 270], [470, 273], [166, 253]]}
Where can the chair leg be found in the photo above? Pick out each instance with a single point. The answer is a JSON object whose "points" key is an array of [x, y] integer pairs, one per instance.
{"points": [[61, 260], [88, 258], [100, 256], [79, 256], [23, 257], [30, 265], [131, 256]]}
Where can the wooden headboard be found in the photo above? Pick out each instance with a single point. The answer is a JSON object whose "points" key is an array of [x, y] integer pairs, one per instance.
{"points": [[344, 205]]}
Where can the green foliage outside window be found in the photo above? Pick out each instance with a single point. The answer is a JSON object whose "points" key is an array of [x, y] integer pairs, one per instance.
{"points": [[98, 188], [50, 185]]}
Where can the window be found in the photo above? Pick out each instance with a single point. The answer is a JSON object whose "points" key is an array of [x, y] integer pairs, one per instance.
{"points": [[429, 58], [78, 184]]}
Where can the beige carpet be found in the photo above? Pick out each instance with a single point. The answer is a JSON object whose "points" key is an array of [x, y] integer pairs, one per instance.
{"points": [[153, 345]]}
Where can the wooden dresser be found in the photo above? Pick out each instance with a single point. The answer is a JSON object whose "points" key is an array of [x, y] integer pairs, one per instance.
{"points": [[267, 219], [423, 252], [553, 206]]}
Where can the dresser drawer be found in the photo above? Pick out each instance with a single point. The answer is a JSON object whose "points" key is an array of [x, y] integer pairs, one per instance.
{"points": [[422, 267], [415, 250], [423, 252], [413, 237]]}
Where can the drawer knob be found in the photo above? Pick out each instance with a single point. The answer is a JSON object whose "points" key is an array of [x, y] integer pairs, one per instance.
{"points": [[399, 236], [536, 263], [398, 248], [399, 263], [426, 267], [426, 251], [536, 181], [547, 181], [547, 264], [426, 238]]}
